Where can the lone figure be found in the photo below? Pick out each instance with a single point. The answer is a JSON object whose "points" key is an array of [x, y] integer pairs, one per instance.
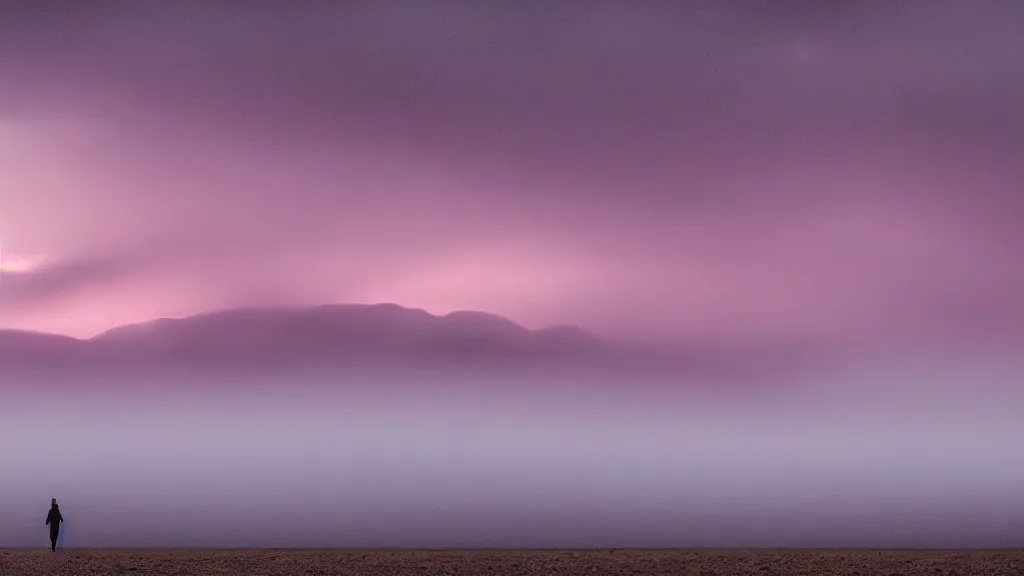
{"points": [[54, 519]]}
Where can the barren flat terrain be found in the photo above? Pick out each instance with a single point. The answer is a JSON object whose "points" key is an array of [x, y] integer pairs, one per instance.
{"points": [[502, 562]]}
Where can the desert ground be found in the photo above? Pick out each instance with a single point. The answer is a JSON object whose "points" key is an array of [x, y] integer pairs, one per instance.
{"points": [[509, 562]]}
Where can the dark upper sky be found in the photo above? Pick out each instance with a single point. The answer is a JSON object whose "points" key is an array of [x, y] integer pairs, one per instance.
{"points": [[842, 171]]}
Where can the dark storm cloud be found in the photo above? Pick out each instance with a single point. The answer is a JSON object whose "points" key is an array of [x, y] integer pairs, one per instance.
{"points": [[638, 67], [662, 99]]}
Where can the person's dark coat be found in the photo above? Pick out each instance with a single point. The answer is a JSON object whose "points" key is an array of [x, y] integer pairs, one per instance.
{"points": [[53, 519]]}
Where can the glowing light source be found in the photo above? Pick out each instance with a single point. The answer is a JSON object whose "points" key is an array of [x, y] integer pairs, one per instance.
{"points": [[15, 263]]}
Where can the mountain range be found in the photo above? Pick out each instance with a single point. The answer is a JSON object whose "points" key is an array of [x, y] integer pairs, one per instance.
{"points": [[321, 335], [375, 336]]}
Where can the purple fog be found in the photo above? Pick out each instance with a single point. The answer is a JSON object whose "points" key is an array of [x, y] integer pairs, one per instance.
{"points": [[484, 274]]}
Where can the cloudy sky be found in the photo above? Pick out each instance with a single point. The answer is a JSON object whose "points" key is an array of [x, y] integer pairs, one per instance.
{"points": [[833, 171], [848, 174]]}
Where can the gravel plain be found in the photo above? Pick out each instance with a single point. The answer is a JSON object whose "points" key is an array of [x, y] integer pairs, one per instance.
{"points": [[509, 562]]}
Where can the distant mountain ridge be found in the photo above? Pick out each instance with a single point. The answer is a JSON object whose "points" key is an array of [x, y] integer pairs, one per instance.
{"points": [[373, 336], [329, 334]]}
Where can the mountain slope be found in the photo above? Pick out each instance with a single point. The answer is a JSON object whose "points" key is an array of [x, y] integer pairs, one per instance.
{"points": [[24, 348], [299, 336]]}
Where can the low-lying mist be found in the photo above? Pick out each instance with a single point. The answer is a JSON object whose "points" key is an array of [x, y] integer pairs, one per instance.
{"points": [[895, 457]]}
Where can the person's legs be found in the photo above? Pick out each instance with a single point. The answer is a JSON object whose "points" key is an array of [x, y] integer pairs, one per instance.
{"points": [[54, 532]]}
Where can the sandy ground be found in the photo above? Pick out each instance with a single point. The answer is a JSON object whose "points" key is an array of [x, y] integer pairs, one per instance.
{"points": [[502, 562]]}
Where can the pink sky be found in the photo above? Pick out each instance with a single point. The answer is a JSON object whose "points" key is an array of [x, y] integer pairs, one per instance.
{"points": [[847, 174], [842, 175]]}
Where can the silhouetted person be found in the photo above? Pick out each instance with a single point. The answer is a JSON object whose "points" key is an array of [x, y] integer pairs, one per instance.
{"points": [[54, 519]]}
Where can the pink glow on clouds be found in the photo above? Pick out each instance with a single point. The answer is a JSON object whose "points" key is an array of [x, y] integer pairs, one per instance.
{"points": [[843, 174], [851, 201], [220, 227]]}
